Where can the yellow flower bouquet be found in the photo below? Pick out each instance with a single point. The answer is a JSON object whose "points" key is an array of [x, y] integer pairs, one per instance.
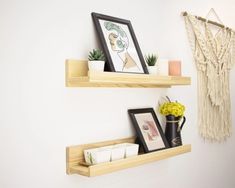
{"points": [[174, 113], [172, 108]]}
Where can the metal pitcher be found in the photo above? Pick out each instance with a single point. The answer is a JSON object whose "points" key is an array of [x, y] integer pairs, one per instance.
{"points": [[173, 129]]}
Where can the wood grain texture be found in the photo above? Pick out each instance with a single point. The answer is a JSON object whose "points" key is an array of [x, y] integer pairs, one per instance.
{"points": [[77, 75], [74, 155]]}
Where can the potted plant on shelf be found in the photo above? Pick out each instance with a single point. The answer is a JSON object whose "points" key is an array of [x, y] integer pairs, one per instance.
{"points": [[174, 113], [96, 60], [151, 61]]}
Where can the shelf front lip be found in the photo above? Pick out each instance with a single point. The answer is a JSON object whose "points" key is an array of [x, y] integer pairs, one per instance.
{"points": [[78, 75], [152, 83], [104, 168]]}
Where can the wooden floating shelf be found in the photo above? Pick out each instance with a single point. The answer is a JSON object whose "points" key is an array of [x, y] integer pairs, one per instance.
{"points": [[77, 75], [75, 158]]}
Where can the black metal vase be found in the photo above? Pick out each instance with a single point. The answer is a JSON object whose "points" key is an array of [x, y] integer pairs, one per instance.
{"points": [[173, 130]]}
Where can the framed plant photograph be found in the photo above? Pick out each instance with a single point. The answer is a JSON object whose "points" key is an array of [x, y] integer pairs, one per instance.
{"points": [[148, 129], [119, 44]]}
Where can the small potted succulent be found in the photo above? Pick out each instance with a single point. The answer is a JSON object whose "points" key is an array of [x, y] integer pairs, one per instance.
{"points": [[96, 60], [151, 61]]}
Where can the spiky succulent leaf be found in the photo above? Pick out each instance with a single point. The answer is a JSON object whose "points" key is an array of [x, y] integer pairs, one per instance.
{"points": [[96, 55], [151, 59]]}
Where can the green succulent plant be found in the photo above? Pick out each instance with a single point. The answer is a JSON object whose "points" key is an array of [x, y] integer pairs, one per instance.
{"points": [[151, 59], [96, 55]]}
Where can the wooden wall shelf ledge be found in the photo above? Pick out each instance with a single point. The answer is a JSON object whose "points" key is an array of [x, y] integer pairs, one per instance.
{"points": [[75, 158], [77, 75]]}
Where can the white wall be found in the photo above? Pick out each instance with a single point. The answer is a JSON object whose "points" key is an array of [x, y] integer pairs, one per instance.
{"points": [[39, 116]]}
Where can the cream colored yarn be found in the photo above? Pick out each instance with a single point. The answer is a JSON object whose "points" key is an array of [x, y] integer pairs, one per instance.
{"points": [[214, 56]]}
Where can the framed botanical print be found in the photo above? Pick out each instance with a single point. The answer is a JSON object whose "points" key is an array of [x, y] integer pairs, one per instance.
{"points": [[119, 44], [148, 129]]}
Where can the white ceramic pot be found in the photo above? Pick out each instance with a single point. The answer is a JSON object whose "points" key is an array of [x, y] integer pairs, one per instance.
{"points": [[98, 155], [110, 153], [117, 153], [163, 67], [153, 69], [130, 149], [96, 65]]}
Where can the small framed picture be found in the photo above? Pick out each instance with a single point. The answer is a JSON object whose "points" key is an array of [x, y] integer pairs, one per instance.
{"points": [[119, 43], [148, 129]]}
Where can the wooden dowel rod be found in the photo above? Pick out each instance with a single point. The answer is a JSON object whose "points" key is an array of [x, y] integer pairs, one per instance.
{"points": [[209, 21]]}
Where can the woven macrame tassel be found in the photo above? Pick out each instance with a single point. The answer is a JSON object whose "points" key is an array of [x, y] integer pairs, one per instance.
{"points": [[213, 59]]}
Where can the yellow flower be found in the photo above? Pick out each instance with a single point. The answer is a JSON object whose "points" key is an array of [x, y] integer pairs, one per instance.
{"points": [[172, 108]]}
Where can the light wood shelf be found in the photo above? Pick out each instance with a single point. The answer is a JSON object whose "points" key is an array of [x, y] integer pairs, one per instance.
{"points": [[75, 158], [77, 75]]}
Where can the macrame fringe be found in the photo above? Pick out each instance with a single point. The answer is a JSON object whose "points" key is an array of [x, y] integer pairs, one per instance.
{"points": [[214, 58]]}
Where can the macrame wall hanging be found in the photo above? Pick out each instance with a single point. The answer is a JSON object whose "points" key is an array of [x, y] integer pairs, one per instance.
{"points": [[214, 55]]}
